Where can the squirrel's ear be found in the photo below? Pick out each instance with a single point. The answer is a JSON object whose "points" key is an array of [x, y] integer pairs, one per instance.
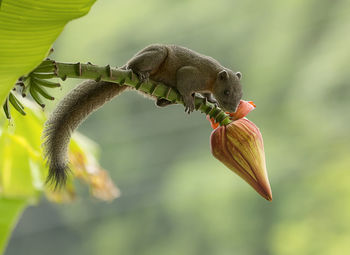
{"points": [[239, 75], [223, 75]]}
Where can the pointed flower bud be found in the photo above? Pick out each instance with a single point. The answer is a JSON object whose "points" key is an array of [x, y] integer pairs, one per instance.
{"points": [[239, 145]]}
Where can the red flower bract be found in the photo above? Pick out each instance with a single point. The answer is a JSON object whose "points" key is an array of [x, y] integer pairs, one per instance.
{"points": [[243, 109], [239, 145]]}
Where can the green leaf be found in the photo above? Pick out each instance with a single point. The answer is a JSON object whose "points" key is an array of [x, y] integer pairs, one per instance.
{"points": [[10, 210], [22, 171], [27, 30]]}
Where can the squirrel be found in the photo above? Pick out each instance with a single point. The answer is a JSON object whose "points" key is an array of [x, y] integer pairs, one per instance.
{"points": [[178, 67]]}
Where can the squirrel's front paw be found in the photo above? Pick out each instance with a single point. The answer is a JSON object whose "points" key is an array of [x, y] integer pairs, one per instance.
{"points": [[212, 100], [189, 104]]}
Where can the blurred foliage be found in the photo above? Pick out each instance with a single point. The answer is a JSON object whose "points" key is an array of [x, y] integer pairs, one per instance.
{"points": [[21, 168], [27, 30], [176, 198], [23, 172], [10, 210]]}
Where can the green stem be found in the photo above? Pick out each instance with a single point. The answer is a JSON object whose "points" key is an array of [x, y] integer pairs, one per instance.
{"points": [[125, 77]]}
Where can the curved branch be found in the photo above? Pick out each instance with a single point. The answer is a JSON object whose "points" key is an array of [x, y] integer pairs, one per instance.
{"points": [[51, 69]]}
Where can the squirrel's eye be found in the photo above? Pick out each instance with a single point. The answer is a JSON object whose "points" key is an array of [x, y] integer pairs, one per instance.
{"points": [[226, 92]]}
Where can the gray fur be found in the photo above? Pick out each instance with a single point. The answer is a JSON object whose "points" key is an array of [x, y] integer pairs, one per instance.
{"points": [[69, 113], [183, 69], [189, 72]]}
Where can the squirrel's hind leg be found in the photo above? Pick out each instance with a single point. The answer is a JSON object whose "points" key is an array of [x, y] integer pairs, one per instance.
{"points": [[147, 61]]}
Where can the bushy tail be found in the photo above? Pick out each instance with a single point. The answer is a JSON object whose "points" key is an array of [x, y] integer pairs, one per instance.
{"points": [[69, 113]]}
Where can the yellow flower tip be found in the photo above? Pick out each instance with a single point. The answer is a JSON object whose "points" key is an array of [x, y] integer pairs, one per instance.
{"points": [[240, 147], [264, 189]]}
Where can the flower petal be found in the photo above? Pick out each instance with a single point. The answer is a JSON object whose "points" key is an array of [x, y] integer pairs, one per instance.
{"points": [[243, 109], [239, 146], [213, 124]]}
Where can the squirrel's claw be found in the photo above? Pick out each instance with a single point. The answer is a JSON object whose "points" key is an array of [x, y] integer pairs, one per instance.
{"points": [[212, 100], [189, 104], [143, 76]]}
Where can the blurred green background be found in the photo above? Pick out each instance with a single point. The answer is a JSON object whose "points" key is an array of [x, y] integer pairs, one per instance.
{"points": [[176, 198]]}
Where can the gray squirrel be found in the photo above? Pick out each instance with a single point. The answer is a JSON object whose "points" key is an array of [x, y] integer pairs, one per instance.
{"points": [[183, 69]]}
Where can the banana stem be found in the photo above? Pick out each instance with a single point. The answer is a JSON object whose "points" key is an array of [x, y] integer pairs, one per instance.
{"points": [[51, 69]]}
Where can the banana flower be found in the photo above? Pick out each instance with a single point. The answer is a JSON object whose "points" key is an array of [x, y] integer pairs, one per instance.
{"points": [[239, 145]]}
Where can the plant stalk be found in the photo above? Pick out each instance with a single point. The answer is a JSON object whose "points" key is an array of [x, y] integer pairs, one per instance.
{"points": [[51, 69]]}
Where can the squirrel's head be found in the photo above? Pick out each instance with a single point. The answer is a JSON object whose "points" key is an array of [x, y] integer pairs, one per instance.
{"points": [[228, 89]]}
